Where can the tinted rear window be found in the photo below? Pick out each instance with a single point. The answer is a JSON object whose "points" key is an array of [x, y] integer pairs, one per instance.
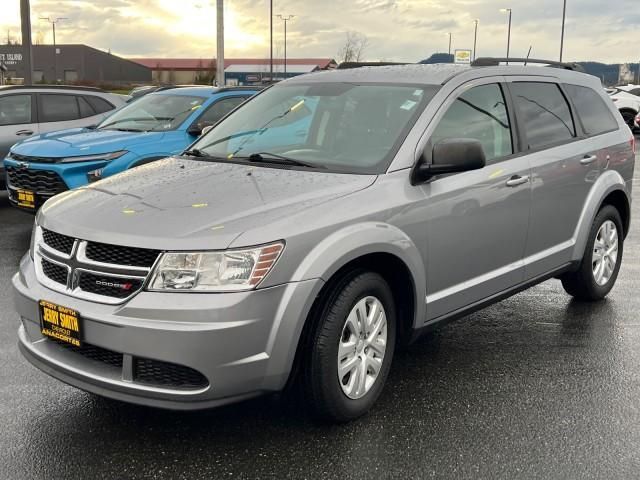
{"points": [[595, 115], [100, 105], [545, 113]]}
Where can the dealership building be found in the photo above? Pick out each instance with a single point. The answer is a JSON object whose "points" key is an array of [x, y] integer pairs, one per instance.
{"points": [[73, 63], [238, 71]]}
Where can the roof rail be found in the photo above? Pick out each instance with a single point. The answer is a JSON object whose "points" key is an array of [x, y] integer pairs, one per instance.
{"points": [[346, 65], [494, 62], [239, 88], [56, 87]]}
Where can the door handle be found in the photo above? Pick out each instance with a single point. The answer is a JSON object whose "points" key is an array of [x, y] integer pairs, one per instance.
{"points": [[588, 159], [24, 133], [517, 180]]}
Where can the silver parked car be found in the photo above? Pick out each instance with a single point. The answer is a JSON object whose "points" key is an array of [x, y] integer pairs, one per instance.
{"points": [[331, 218], [30, 110]]}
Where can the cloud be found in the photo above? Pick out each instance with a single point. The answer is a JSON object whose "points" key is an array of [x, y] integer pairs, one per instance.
{"points": [[402, 30]]}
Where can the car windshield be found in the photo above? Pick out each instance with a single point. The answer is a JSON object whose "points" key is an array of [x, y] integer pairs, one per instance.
{"points": [[336, 126], [153, 113]]}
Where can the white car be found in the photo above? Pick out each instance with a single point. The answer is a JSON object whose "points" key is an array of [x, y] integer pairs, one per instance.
{"points": [[627, 100]]}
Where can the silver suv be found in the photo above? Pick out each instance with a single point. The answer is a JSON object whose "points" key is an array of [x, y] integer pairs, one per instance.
{"points": [[30, 110], [318, 226]]}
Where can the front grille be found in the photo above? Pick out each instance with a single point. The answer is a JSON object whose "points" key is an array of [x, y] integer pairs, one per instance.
{"points": [[109, 286], [145, 371], [39, 181], [157, 373], [118, 255], [29, 159], [54, 272], [57, 241]]}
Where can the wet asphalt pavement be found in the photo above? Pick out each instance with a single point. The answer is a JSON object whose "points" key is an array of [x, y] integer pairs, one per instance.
{"points": [[537, 386]]}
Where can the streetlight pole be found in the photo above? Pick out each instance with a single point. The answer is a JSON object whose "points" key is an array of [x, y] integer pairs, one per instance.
{"points": [[505, 10], [475, 38], [55, 53], [450, 35], [285, 19], [564, 18], [271, 40], [27, 53], [220, 81]]}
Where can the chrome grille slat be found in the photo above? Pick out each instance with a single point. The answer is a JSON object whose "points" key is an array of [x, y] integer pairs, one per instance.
{"points": [[111, 283]]}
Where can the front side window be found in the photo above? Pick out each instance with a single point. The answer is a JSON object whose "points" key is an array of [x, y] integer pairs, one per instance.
{"points": [[480, 114], [15, 109], [153, 113], [347, 127], [58, 108], [594, 113], [545, 113]]}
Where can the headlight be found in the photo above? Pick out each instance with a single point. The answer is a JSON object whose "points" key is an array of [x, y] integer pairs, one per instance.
{"points": [[88, 158], [230, 270]]}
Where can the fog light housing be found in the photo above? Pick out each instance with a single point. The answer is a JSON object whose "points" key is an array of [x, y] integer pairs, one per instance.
{"points": [[95, 175]]}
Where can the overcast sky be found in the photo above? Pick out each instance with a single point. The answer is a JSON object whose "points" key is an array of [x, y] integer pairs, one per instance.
{"points": [[402, 30]]}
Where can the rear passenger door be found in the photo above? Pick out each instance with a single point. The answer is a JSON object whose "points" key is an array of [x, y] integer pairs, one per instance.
{"points": [[59, 111], [17, 120], [476, 222], [564, 165]]}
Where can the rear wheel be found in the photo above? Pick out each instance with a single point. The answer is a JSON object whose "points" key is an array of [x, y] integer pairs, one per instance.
{"points": [[601, 261], [351, 349]]}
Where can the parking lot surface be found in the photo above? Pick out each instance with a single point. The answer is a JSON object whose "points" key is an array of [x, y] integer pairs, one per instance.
{"points": [[537, 386]]}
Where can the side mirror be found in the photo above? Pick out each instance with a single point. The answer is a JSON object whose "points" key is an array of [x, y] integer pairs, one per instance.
{"points": [[206, 130], [198, 129], [451, 155]]}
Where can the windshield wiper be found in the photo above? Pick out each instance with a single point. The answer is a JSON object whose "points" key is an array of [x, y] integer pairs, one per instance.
{"points": [[266, 157], [194, 153]]}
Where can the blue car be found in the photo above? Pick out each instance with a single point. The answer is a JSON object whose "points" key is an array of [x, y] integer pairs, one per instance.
{"points": [[156, 126]]}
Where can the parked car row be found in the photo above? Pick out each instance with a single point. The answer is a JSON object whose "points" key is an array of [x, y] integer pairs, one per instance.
{"points": [[154, 126], [313, 229]]}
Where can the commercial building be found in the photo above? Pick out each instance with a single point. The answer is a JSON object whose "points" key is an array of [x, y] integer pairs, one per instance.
{"points": [[73, 63], [238, 71]]}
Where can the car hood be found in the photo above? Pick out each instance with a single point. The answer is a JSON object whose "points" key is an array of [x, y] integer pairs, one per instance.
{"points": [[83, 141], [184, 204]]}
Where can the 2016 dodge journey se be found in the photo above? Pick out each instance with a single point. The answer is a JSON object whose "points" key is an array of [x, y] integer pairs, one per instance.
{"points": [[319, 226]]}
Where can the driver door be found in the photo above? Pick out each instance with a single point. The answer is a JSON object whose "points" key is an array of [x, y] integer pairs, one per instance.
{"points": [[476, 222]]}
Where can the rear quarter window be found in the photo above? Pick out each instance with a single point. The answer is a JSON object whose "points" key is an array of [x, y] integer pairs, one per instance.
{"points": [[596, 117], [100, 105]]}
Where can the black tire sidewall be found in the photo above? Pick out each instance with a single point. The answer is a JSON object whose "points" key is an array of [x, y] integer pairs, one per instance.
{"points": [[606, 213], [326, 385]]}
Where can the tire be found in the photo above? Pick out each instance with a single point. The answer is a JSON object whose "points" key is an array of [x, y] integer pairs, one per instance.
{"points": [[583, 284], [629, 117], [324, 391]]}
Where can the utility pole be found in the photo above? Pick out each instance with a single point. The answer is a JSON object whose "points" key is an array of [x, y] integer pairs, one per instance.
{"points": [[475, 38], [220, 80], [27, 53], [564, 17], [271, 41], [55, 52], [450, 35], [285, 19]]}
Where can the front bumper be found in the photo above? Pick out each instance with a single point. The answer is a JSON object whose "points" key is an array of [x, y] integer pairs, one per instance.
{"points": [[242, 343]]}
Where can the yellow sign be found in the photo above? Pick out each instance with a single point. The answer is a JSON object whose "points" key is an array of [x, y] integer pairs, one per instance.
{"points": [[60, 323], [462, 57], [26, 199]]}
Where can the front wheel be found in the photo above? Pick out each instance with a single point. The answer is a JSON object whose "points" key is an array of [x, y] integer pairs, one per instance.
{"points": [[601, 261], [351, 349]]}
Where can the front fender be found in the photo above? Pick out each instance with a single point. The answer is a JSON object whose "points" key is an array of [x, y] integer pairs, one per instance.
{"points": [[610, 181], [354, 241]]}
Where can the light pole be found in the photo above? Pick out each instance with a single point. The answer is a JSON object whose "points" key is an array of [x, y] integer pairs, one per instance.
{"points": [[271, 40], [505, 10], [55, 53], [285, 19], [564, 17], [220, 44], [450, 36], [25, 17], [475, 38]]}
